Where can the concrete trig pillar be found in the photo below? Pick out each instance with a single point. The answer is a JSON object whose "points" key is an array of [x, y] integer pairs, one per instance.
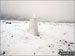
{"points": [[33, 26]]}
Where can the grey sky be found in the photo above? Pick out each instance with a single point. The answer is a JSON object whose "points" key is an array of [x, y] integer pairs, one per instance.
{"points": [[49, 10]]}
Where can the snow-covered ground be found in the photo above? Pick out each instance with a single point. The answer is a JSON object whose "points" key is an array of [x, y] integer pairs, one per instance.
{"points": [[16, 40]]}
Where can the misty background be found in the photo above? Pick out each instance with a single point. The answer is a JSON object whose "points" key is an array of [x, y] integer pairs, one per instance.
{"points": [[52, 11]]}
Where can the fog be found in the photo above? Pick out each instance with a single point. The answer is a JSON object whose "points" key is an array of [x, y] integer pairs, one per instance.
{"points": [[44, 10]]}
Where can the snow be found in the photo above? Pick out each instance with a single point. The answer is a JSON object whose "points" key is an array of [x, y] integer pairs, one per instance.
{"points": [[16, 40]]}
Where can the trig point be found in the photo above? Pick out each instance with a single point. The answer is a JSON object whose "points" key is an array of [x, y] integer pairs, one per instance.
{"points": [[33, 26]]}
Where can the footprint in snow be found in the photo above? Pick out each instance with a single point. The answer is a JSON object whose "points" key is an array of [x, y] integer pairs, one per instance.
{"points": [[2, 53], [34, 53]]}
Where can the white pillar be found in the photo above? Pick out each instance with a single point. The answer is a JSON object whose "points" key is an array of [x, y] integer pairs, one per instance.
{"points": [[33, 26]]}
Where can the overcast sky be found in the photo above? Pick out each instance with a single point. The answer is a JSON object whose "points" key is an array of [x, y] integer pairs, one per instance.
{"points": [[51, 10]]}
